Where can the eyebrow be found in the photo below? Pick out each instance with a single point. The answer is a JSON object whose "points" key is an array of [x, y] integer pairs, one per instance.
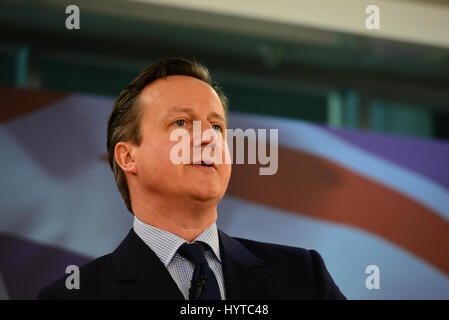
{"points": [[177, 109]]}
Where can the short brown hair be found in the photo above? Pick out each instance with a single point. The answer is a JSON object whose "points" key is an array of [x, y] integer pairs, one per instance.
{"points": [[124, 121]]}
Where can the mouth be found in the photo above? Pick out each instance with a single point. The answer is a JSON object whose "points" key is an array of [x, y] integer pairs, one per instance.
{"points": [[205, 164]]}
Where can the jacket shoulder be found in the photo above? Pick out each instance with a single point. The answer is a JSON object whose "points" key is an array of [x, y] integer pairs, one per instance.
{"points": [[296, 266], [276, 252]]}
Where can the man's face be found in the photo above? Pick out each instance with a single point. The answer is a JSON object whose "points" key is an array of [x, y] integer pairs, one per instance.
{"points": [[174, 103]]}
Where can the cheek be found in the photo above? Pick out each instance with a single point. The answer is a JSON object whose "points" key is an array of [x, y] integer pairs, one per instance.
{"points": [[226, 173], [154, 161]]}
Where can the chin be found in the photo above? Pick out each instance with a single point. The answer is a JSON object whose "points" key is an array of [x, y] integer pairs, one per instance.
{"points": [[205, 193]]}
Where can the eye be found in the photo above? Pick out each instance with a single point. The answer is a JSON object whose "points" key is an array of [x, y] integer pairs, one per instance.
{"points": [[217, 127], [180, 122]]}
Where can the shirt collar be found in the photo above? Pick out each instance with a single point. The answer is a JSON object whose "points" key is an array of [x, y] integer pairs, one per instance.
{"points": [[165, 244]]}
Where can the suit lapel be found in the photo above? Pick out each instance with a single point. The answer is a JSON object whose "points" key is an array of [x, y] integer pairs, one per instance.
{"points": [[245, 274], [141, 274]]}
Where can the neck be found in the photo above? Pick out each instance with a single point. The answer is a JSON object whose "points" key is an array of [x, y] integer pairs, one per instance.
{"points": [[186, 219]]}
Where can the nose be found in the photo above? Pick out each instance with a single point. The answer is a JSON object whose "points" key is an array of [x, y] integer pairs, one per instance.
{"points": [[203, 133]]}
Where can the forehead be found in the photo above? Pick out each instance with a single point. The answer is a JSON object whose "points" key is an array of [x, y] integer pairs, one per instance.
{"points": [[182, 91]]}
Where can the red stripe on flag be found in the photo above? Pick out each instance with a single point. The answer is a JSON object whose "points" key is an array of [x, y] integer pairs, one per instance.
{"points": [[18, 102]]}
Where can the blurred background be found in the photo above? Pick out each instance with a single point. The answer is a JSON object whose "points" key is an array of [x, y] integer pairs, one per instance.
{"points": [[363, 119]]}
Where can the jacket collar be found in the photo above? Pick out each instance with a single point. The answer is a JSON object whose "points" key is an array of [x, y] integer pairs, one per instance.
{"points": [[245, 275], [146, 276]]}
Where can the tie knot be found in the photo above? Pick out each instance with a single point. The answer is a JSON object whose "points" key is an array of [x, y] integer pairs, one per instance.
{"points": [[194, 252]]}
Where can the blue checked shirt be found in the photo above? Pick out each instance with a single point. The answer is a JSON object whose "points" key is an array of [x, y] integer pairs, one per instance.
{"points": [[166, 244]]}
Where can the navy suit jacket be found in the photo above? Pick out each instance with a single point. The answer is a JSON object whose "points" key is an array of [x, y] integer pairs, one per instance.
{"points": [[251, 269]]}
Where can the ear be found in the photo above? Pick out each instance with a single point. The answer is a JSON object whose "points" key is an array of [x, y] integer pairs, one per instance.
{"points": [[124, 156]]}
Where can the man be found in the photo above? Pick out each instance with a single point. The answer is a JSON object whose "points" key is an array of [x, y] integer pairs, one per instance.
{"points": [[174, 250]]}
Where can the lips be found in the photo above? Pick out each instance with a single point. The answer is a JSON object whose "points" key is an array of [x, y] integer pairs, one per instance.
{"points": [[206, 164]]}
